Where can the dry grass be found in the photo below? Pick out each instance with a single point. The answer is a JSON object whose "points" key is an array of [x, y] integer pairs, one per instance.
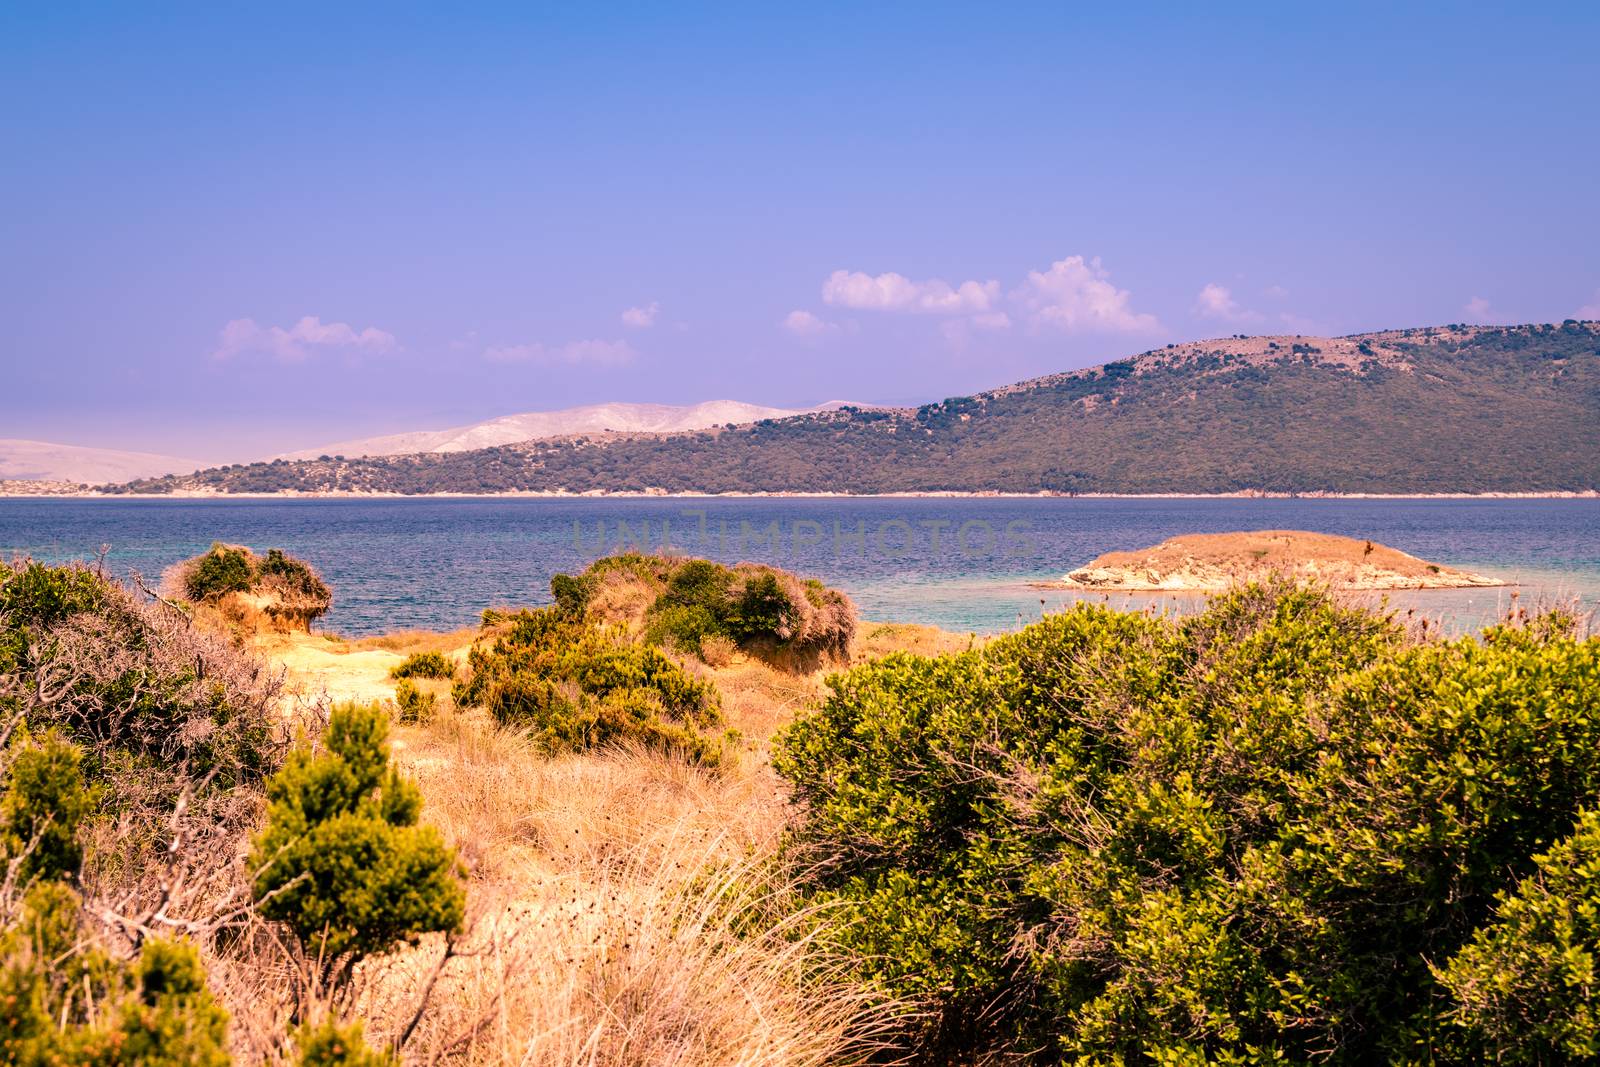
{"points": [[630, 908], [878, 639], [626, 907], [406, 642]]}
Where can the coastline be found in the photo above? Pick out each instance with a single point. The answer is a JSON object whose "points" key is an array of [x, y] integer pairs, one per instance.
{"points": [[595, 494]]}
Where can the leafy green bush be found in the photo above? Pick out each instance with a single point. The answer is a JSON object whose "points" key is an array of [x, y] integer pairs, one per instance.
{"points": [[44, 804], [425, 665], [342, 860], [331, 1045], [223, 570], [579, 685], [1247, 835], [414, 704], [1524, 988]]}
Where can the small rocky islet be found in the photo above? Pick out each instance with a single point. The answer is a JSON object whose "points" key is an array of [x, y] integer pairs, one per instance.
{"points": [[1205, 563]]}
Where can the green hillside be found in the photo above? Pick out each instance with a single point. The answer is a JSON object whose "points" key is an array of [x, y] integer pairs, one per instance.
{"points": [[1444, 409]]}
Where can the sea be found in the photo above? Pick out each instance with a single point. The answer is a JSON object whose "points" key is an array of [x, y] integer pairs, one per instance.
{"points": [[962, 563]]}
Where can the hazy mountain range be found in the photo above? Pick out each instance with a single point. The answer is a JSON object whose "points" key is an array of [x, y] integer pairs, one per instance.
{"points": [[44, 461], [534, 425]]}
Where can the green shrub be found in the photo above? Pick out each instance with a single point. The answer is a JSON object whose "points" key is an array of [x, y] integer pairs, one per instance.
{"points": [[342, 860], [44, 804], [579, 685], [331, 1045], [571, 594], [1525, 988], [414, 704], [682, 602], [425, 665], [1243, 836], [685, 627], [223, 570], [294, 575]]}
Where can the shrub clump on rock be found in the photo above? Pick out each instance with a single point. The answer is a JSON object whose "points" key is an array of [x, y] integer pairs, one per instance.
{"points": [[685, 602], [1283, 830], [288, 592]]}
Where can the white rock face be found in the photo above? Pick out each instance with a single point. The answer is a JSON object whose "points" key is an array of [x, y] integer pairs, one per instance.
{"points": [[44, 461], [532, 425]]}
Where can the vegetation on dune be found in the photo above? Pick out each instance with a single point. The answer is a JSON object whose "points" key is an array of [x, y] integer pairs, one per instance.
{"points": [[685, 603], [579, 684], [1282, 830], [1461, 409], [590, 670], [233, 579], [430, 664]]}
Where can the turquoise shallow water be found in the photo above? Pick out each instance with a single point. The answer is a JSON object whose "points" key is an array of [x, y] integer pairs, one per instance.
{"points": [[961, 563]]}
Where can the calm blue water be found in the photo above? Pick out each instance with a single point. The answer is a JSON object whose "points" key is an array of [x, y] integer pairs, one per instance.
{"points": [[960, 563]]}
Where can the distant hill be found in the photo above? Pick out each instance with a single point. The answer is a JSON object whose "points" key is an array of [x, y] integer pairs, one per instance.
{"points": [[537, 425], [43, 461], [1428, 410]]}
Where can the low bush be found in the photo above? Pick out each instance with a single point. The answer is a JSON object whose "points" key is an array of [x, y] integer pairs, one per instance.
{"points": [[1281, 830], [579, 685], [342, 861], [414, 704], [425, 665], [223, 570], [682, 603]]}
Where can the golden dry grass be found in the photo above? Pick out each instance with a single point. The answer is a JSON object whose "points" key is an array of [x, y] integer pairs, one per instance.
{"points": [[877, 639], [628, 907]]}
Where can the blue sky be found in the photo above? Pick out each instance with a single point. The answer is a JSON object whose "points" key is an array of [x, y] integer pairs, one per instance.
{"points": [[231, 230]]}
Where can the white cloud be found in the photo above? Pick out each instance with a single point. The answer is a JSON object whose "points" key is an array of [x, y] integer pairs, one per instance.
{"points": [[641, 318], [1276, 292], [600, 353], [1216, 302], [959, 331], [1591, 310], [298, 342], [1478, 310], [895, 292], [1077, 294], [805, 324]]}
